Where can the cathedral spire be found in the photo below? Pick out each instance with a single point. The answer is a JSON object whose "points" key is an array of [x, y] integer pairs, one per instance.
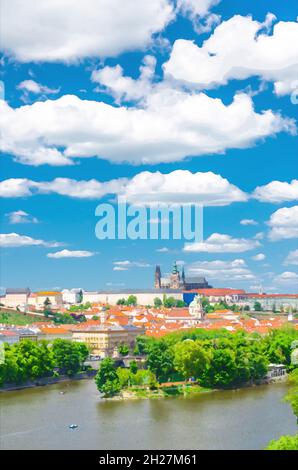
{"points": [[175, 268], [157, 277], [183, 276]]}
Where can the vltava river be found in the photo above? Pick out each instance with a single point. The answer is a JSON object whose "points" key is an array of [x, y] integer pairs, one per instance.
{"points": [[241, 419]]}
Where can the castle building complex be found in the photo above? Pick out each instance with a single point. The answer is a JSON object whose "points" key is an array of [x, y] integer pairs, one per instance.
{"points": [[178, 281]]}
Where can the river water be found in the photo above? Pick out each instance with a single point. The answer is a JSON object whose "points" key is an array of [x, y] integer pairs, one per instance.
{"points": [[38, 418]]}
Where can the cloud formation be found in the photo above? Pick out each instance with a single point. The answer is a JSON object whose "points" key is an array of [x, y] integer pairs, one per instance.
{"points": [[248, 222], [277, 191], [181, 124], [71, 254], [287, 277], [126, 265], [68, 31], [179, 186], [283, 223], [36, 88], [235, 270], [222, 243], [21, 217], [239, 48], [292, 258], [13, 240], [259, 257]]}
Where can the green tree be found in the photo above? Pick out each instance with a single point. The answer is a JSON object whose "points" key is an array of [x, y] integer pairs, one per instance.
{"points": [[47, 307], [157, 302], [123, 349], [133, 367], [26, 360], [284, 443], [63, 319], [132, 300], [180, 304], [69, 356], [222, 371], [278, 345], [124, 377], [292, 395], [107, 379], [169, 302], [160, 360], [191, 359], [121, 301], [258, 307]]}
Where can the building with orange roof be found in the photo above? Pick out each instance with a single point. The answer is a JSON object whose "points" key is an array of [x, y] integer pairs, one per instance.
{"points": [[54, 297]]}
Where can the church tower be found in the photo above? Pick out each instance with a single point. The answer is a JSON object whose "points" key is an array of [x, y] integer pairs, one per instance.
{"points": [[183, 278], [157, 278], [175, 277]]}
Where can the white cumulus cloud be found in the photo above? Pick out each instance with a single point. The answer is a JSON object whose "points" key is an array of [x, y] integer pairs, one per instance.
{"points": [[145, 188], [71, 254], [67, 30], [222, 243], [277, 191], [288, 277], [248, 222], [198, 11], [181, 124], [36, 88], [292, 258], [13, 240], [15, 187], [124, 88], [239, 48], [21, 217], [181, 187], [235, 270], [283, 223], [126, 264], [259, 257]]}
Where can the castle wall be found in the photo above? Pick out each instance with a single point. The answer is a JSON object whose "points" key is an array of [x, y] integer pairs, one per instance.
{"points": [[143, 298]]}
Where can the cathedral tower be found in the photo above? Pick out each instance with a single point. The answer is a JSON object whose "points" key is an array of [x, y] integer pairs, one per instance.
{"points": [[175, 277], [157, 278]]}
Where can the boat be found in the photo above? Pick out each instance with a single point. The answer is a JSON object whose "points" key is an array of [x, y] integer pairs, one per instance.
{"points": [[72, 426]]}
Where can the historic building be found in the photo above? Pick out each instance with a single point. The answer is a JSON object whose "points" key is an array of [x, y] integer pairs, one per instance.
{"points": [[15, 297], [196, 309], [178, 281], [104, 339]]}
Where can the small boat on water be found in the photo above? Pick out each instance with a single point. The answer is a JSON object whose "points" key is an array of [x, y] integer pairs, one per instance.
{"points": [[73, 426]]}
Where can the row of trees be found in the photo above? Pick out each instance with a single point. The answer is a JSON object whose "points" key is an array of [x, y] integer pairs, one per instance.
{"points": [[289, 442], [111, 379], [214, 358], [131, 301], [28, 360], [167, 302]]}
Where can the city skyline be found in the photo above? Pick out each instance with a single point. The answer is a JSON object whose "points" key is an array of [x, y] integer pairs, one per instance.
{"points": [[176, 114]]}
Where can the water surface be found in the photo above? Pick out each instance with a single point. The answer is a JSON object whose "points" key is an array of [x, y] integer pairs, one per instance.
{"points": [[38, 418]]}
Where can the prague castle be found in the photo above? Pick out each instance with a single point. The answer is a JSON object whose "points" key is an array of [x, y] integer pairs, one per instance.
{"points": [[177, 281]]}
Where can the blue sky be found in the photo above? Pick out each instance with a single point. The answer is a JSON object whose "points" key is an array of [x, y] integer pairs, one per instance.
{"points": [[222, 102]]}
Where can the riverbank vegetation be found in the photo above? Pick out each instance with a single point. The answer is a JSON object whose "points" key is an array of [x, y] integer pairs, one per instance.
{"points": [[213, 359], [29, 360], [289, 442]]}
